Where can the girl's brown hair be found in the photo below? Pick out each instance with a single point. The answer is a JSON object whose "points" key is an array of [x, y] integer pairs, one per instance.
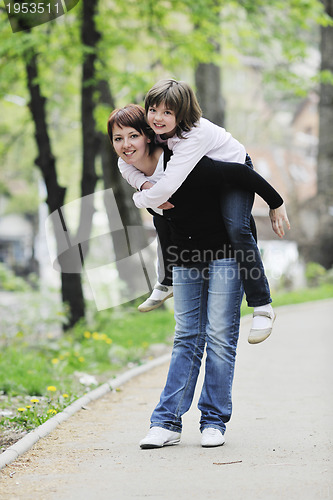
{"points": [[133, 116], [178, 97]]}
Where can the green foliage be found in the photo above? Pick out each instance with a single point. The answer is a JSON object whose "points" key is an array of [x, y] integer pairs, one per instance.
{"points": [[325, 77], [10, 282], [24, 203], [20, 370], [314, 274], [29, 412]]}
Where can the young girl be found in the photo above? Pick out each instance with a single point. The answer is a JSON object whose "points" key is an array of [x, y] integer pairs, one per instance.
{"points": [[132, 141]]}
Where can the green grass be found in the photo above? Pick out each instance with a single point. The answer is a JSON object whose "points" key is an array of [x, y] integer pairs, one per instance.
{"points": [[116, 339], [321, 292]]}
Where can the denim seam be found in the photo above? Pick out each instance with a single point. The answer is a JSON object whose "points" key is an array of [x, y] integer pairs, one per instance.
{"points": [[231, 374], [178, 413]]}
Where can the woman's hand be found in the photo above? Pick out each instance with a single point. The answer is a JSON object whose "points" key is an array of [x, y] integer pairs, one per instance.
{"points": [[166, 205], [278, 216]]}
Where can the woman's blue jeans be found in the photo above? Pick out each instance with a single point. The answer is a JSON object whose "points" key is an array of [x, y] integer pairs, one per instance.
{"points": [[236, 207], [207, 303]]}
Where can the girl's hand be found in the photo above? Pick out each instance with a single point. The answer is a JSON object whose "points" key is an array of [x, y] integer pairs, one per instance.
{"points": [[278, 216], [166, 205], [146, 185]]}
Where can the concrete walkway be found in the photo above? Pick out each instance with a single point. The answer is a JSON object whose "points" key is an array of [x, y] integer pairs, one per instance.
{"points": [[279, 441]]}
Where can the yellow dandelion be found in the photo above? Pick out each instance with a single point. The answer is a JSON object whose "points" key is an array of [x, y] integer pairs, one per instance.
{"points": [[34, 400], [65, 396], [51, 388], [96, 336], [28, 406], [108, 341], [87, 335], [103, 336], [21, 409], [55, 361], [81, 359], [52, 411]]}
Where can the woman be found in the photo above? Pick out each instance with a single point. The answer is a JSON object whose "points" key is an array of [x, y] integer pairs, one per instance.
{"points": [[207, 285]]}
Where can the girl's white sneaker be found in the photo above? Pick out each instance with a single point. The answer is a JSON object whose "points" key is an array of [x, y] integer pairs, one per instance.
{"points": [[258, 335]]}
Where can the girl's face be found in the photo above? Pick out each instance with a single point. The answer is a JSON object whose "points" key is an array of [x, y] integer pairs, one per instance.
{"points": [[129, 144], [162, 120]]}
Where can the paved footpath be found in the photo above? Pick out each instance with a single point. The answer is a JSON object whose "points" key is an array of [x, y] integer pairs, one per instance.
{"points": [[279, 441]]}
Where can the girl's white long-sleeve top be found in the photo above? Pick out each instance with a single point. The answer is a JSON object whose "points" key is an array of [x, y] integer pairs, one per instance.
{"points": [[206, 139]]}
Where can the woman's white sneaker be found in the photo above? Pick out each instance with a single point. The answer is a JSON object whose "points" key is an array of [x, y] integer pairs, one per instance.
{"points": [[211, 437], [158, 437], [159, 295]]}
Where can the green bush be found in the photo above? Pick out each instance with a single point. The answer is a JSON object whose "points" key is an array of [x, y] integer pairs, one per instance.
{"points": [[328, 278], [314, 274], [10, 282]]}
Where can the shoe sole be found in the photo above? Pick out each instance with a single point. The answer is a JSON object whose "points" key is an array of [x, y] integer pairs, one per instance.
{"points": [[150, 446], [151, 308], [212, 445], [257, 340]]}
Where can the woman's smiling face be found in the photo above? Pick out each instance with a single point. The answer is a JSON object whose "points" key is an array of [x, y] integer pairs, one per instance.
{"points": [[129, 144], [162, 120]]}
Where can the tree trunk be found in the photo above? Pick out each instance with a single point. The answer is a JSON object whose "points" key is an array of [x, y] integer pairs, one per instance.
{"points": [[317, 215], [71, 287], [89, 38], [208, 84], [324, 239], [325, 151]]}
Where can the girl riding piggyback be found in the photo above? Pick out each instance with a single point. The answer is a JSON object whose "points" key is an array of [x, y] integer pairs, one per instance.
{"points": [[173, 113]]}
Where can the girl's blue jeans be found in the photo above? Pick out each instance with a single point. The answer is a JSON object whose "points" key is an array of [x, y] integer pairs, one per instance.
{"points": [[236, 205], [207, 303]]}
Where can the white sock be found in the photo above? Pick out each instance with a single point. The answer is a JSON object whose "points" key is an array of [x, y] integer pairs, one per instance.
{"points": [[261, 322], [159, 294]]}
